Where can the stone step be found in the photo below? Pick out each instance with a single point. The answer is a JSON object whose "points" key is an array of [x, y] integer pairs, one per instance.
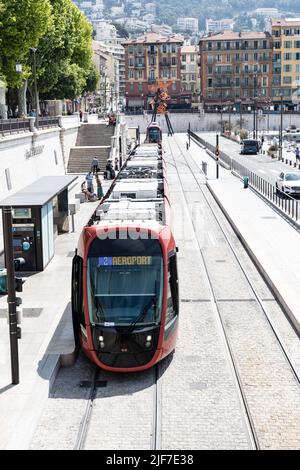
{"points": [[81, 158], [94, 134]]}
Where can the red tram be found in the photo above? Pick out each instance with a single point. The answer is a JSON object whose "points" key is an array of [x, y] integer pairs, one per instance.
{"points": [[125, 301]]}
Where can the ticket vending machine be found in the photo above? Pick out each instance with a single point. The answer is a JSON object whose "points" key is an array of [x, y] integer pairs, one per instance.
{"points": [[25, 245], [33, 237]]}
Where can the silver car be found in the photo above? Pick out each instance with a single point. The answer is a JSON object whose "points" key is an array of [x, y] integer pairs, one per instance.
{"points": [[289, 183]]}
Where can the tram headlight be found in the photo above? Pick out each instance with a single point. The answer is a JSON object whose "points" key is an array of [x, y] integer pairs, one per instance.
{"points": [[148, 341], [101, 342]]}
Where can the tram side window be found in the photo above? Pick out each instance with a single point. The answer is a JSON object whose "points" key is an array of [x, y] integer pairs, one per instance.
{"points": [[172, 297], [77, 289]]}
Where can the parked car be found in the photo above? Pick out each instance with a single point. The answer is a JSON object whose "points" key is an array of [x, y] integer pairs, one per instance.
{"points": [[289, 183], [250, 147]]}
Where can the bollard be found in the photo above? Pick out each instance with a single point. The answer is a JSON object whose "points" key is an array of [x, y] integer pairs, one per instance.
{"points": [[246, 182]]}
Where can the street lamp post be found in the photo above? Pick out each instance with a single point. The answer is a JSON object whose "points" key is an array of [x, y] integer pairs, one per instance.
{"points": [[254, 105], [281, 127], [229, 117], [221, 110], [34, 49]]}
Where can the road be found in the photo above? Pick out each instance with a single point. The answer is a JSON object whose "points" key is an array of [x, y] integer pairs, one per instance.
{"points": [[262, 165]]}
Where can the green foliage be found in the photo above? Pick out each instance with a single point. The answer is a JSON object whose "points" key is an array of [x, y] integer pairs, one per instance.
{"points": [[121, 30], [65, 52], [22, 24], [92, 78], [170, 10]]}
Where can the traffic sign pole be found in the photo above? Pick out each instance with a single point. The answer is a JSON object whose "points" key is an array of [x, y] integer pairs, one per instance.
{"points": [[217, 155], [11, 293]]}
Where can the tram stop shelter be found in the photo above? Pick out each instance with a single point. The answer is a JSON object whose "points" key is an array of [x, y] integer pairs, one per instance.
{"points": [[40, 212]]}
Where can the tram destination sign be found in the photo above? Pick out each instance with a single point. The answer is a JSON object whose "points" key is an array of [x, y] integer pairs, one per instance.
{"points": [[125, 261]]}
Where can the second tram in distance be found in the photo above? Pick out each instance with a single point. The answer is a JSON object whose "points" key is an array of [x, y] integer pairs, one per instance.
{"points": [[125, 301]]}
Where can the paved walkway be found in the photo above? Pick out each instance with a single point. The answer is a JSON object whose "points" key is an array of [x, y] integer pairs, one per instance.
{"points": [[46, 335], [272, 241]]}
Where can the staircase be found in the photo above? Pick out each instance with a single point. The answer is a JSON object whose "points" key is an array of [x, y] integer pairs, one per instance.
{"points": [[93, 140]]}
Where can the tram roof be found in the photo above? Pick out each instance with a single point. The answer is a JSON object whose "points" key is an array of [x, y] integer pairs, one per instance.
{"points": [[128, 210]]}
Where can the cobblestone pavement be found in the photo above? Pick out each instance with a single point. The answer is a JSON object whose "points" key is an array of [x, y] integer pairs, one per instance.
{"points": [[201, 407], [272, 393]]}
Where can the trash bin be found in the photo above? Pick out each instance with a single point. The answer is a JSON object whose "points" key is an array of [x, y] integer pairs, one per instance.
{"points": [[3, 282], [246, 182]]}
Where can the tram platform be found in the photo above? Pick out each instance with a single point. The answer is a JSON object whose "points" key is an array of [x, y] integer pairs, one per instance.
{"points": [[47, 337], [271, 241]]}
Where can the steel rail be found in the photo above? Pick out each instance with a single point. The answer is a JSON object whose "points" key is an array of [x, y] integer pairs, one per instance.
{"points": [[252, 436]]}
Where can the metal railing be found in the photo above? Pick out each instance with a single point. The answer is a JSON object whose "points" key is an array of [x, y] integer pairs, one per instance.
{"points": [[11, 126], [287, 204], [14, 126], [48, 122]]}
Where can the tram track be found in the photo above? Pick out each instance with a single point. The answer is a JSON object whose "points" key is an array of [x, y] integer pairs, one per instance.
{"points": [[90, 417], [239, 377]]}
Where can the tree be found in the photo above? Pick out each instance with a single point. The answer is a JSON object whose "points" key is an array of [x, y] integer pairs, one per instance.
{"points": [[121, 30], [22, 24], [65, 53], [92, 78]]}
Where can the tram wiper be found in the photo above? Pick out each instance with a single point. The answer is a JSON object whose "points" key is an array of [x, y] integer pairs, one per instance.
{"points": [[141, 316]]}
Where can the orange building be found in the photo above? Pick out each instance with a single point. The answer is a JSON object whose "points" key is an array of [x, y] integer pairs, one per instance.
{"points": [[236, 70], [149, 59], [286, 63]]}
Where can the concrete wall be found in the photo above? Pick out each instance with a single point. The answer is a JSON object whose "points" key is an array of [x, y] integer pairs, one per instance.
{"points": [[211, 121], [29, 157]]}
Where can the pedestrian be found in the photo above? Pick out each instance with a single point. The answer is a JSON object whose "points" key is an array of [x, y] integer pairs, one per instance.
{"points": [[297, 153], [80, 115], [95, 166], [110, 172], [89, 182], [99, 188]]}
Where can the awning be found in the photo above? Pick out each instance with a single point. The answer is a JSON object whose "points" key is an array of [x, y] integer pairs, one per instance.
{"points": [[38, 193]]}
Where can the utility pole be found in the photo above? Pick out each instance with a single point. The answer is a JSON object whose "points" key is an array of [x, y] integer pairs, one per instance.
{"points": [[254, 106], [281, 127], [221, 110], [241, 119], [34, 49], [217, 153], [11, 293]]}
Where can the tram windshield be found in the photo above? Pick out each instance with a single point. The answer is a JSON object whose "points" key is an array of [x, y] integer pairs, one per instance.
{"points": [[125, 282], [154, 134]]}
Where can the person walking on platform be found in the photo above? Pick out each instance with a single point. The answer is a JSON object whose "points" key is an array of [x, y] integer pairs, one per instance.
{"points": [[100, 193], [95, 166], [297, 153], [89, 182]]}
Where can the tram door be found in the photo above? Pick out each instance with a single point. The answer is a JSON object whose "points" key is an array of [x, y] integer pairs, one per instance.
{"points": [[25, 245]]}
